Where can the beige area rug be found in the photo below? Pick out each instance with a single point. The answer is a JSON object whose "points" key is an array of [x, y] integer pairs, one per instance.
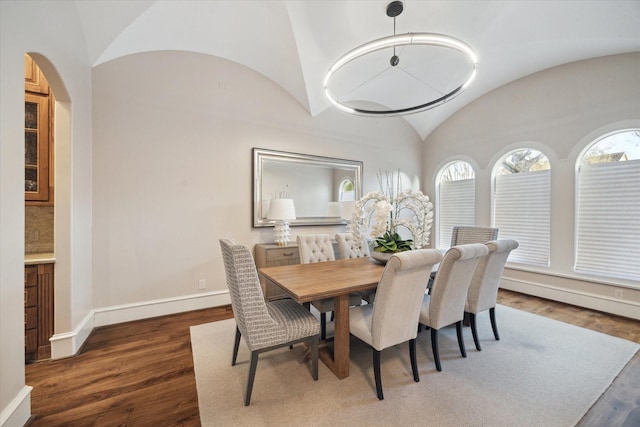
{"points": [[541, 373]]}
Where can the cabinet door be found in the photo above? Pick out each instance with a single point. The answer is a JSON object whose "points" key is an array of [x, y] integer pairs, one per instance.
{"points": [[36, 147]]}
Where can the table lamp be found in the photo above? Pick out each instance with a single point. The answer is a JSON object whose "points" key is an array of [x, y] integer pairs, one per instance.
{"points": [[281, 211]]}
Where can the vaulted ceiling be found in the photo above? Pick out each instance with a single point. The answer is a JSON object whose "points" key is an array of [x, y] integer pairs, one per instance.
{"points": [[294, 43]]}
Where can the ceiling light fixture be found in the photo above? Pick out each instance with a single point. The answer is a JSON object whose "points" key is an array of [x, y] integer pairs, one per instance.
{"points": [[431, 70]]}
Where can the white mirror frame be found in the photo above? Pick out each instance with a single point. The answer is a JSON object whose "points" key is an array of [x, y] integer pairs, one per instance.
{"points": [[260, 156]]}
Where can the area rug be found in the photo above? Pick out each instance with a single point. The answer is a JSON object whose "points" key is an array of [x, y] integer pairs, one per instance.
{"points": [[541, 373]]}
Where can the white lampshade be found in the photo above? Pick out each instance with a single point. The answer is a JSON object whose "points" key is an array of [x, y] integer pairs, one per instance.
{"points": [[281, 210], [346, 209], [333, 209]]}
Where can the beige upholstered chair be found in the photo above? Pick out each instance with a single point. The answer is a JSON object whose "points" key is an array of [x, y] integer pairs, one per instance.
{"points": [[463, 235], [393, 317], [318, 248], [349, 248], [483, 291], [445, 305], [264, 325]]}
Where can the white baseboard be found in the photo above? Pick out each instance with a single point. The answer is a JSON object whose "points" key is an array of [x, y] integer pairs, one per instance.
{"points": [[69, 343], [582, 299], [18, 412]]}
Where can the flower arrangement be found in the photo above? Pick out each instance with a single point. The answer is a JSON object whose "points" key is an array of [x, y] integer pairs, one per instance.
{"points": [[380, 215]]}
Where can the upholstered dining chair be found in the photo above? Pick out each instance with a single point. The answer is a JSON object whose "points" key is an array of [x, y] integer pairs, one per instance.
{"points": [[464, 235], [445, 305], [483, 290], [350, 248], [264, 325], [318, 248], [393, 318]]}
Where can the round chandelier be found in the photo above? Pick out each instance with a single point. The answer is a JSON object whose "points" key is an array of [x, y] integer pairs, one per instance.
{"points": [[424, 71]]}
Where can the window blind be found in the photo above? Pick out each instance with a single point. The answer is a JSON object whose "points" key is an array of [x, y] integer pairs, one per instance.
{"points": [[457, 206], [608, 220], [522, 212]]}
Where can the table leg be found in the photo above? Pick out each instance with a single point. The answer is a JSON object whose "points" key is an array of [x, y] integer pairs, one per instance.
{"points": [[340, 360]]}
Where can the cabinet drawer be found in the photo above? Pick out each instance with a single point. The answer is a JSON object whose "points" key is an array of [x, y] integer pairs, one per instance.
{"points": [[31, 275], [30, 296], [31, 317], [30, 340], [282, 254]]}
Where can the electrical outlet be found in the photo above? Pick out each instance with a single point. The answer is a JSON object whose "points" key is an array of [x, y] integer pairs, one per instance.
{"points": [[617, 293], [202, 284]]}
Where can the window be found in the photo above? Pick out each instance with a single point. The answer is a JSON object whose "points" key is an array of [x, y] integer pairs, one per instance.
{"points": [[456, 199], [521, 209], [347, 191], [608, 206]]}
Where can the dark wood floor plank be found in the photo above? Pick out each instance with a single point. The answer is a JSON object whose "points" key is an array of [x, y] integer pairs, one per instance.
{"points": [[141, 373]]}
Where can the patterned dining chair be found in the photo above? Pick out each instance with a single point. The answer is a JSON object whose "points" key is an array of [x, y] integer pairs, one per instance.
{"points": [[318, 248], [483, 290], [264, 325], [445, 305], [393, 318], [464, 235], [350, 248]]}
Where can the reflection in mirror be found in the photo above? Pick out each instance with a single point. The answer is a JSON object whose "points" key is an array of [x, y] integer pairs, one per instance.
{"points": [[319, 186]]}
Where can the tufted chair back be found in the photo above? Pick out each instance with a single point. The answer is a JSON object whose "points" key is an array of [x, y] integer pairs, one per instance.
{"points": [[349, 247], [315, 248]]}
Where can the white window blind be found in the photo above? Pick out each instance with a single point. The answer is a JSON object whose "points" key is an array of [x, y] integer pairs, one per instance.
{"points": [[522, 213], [608, 220], [457, 206]]}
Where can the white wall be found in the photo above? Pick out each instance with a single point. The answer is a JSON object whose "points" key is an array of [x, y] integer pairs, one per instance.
{"points": [[173, 133], [57, 44], [558, 111]]}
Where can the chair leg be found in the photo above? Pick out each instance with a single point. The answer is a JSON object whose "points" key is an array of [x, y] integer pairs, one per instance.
{"points": [[376, 373], [494, 326], [434, 346], [463, 351], [474, 330], [235, 347], [323, 326], [414, 362], [314, 358], [252, 375]]}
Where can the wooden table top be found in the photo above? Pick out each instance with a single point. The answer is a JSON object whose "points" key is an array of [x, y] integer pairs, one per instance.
{"points": [[308, 282]]}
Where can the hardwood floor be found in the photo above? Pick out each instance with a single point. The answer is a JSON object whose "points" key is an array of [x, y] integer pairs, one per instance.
{"points": [[141, 373]]}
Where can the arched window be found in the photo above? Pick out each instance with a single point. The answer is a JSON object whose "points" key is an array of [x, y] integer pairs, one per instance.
{"points": [[456, 199], [608, 207], [347, 191], [521, 204]]}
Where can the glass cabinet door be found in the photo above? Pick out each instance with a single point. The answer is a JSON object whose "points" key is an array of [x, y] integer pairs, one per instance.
{"points": [[36, 147]]}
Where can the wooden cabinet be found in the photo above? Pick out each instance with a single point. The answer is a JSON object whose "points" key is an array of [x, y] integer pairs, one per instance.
{"points": [[38, 156], [38, 311], [271, 255]]}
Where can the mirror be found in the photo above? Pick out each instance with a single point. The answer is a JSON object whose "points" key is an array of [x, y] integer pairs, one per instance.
{"points": [[319, 186]]}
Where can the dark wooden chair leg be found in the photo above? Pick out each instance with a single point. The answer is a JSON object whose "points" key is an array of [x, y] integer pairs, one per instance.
{"points": [[235, 347], [314, 358], [494, 326], [414, 362], [434, 346], [323, 326], [463, 351], [474, 330], [376, 373], [252, 374]]}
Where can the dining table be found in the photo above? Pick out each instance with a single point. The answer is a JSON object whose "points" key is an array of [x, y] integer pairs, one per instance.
{"points": [[329, 279]]}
